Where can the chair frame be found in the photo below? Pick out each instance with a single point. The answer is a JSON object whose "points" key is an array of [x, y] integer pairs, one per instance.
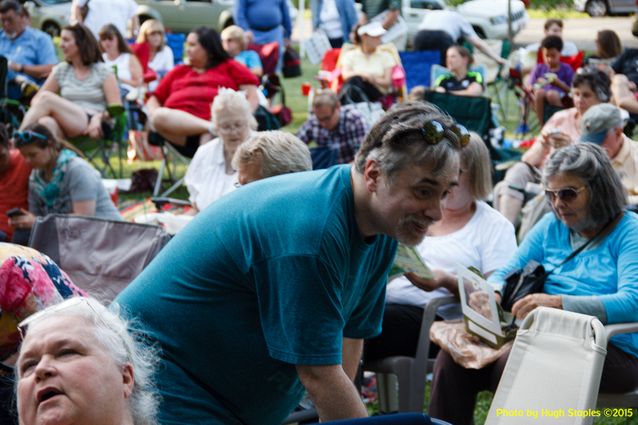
{"points": [[411, 372], [629, 399]]}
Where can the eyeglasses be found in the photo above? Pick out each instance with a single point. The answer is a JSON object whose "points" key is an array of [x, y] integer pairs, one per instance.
{"points": [[433, 132], [25, 137], [566, 194], [227, 128], [156, 33]]}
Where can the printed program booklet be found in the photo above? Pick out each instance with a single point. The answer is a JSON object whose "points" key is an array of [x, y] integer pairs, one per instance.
{"points": [[482, 316]]}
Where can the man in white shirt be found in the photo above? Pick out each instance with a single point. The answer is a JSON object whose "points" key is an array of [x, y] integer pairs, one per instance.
{"points": [[442, 28]]}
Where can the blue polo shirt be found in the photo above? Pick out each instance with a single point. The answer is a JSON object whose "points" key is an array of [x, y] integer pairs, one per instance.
{"points": [[32, 47]]}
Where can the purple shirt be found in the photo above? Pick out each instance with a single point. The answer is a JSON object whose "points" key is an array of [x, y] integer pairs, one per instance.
{"points": [[564, 73], [346, 136]]}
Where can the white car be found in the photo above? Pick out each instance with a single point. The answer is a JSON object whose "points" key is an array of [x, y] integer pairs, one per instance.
{"points": [[488, 17], [597, 8]]}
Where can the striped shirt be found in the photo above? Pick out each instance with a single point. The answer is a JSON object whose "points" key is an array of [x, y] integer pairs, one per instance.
{"points": [[87, 93]]}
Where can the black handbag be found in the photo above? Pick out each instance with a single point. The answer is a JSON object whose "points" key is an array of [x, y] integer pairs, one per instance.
{"points": [[528, 280], [531, 278]]}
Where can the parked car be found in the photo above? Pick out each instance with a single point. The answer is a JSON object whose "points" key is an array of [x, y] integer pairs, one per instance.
{"points": [[184, 15], [488, 17], [597, 8], [49, 15]]}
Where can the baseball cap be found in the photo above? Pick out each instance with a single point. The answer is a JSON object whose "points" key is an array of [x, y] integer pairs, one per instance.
{"points": [[373, 29], [597, 121]]}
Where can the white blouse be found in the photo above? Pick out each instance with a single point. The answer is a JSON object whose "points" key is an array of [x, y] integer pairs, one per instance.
{"points": [[206, 178]]}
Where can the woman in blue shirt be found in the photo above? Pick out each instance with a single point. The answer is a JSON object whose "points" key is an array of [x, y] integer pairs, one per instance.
{"points": [[588, 200]]}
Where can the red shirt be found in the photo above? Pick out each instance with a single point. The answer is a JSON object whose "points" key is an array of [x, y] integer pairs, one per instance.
{"points": [[14, 188], [189, 91]]}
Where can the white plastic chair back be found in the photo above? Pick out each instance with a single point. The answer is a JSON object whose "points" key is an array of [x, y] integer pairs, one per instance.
{"points": [[555, 365]]}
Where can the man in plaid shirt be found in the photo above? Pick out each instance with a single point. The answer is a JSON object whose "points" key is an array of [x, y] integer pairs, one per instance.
{"points": [[340, 128]]}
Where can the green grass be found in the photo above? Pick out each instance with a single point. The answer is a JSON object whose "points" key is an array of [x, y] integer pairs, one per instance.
{"points": [[559, 13]]}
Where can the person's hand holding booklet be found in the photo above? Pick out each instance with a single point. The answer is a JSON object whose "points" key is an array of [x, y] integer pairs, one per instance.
{"points": [[408, 260], [482, 315]]}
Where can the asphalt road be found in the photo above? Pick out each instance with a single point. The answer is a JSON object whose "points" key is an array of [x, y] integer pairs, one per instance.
{"points": [[581, 31]]}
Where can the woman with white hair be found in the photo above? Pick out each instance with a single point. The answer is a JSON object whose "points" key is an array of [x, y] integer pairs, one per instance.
{"points": [[268, 154], [78, 363], [210, 175]]}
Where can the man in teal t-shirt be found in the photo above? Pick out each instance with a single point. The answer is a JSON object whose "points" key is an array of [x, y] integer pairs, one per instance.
{"points": [[274, 287]]}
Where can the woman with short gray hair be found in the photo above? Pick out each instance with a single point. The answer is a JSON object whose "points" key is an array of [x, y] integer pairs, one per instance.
{"points": [[211, 175], [270, 153], [588, 200], [79, 363]]}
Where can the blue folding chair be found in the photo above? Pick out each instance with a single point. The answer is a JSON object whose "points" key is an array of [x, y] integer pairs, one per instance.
{"points": [[417, 67], [176, 42]]}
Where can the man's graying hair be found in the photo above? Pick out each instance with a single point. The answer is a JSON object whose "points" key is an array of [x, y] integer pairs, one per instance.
{"points": [[396, 141], [591, 164]]}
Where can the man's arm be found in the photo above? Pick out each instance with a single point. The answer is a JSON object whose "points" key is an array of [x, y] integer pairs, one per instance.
{"points": [[332, 392], [351, 355], [35, 71], [483, 47]]}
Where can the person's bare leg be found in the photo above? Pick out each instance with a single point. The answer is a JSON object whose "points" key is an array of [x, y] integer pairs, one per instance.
{"points": [[623, 97], [53, 126], [70, 118], [176, 125], [539, 104]]}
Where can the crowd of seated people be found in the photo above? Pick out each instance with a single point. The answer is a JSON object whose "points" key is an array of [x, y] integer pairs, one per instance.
{"points": [[205, 107]]}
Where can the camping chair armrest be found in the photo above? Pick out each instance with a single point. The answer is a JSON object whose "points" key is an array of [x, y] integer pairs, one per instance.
{"points": [[429, 314], [161, 201], [115, 111], [621, 328]]}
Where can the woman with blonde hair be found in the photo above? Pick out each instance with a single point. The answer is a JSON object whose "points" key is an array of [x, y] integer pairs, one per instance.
{"points": [[234, 42], [158, 56]]}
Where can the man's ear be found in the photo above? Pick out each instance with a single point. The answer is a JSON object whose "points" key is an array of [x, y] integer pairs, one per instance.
{"points": [[372, 175]]}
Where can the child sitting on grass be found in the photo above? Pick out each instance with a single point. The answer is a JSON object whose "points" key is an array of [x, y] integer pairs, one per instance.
{"points": [[551, 79]]}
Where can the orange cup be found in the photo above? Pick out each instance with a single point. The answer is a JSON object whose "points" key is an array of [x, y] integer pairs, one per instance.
{"points": [[305, 88]]}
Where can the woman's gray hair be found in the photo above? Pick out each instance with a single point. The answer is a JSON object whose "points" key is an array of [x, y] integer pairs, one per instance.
{"points": [[396, 141], [113, 333], [231, 100], [475, 159], [280, 153], [590, 163]]}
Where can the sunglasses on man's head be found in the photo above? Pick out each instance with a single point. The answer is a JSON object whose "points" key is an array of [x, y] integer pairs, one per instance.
{"points": [[25, 137], [566, 194], [434, 132]]}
